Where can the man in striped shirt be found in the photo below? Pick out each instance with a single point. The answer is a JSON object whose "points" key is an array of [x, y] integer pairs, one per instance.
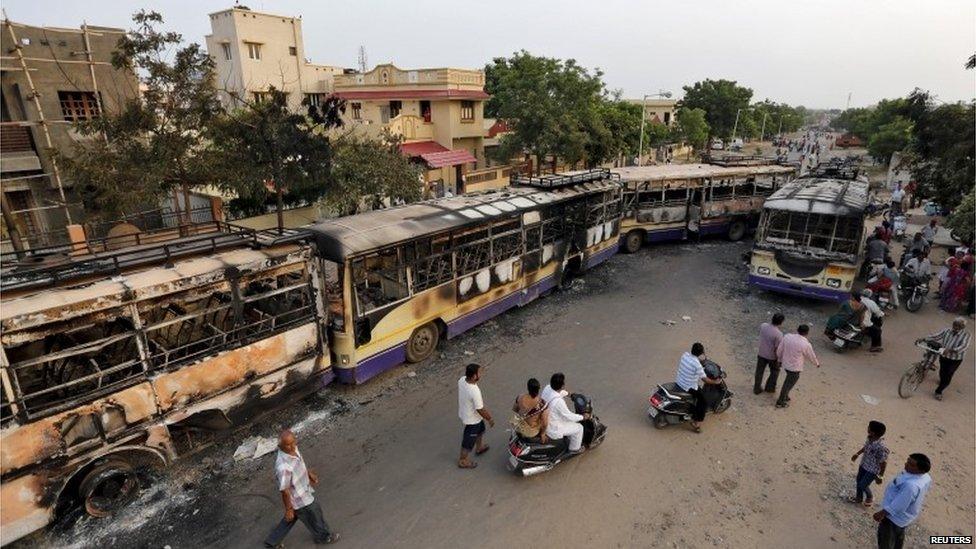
{"points": [[954, 343]]}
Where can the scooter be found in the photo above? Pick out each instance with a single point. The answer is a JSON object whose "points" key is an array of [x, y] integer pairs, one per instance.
{"points": [[847, 337], [670, 405], [531, 456], [899, 225]]}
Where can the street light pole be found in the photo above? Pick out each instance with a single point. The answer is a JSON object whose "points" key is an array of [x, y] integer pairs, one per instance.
{"points": [[762, 133], [640, 146]]}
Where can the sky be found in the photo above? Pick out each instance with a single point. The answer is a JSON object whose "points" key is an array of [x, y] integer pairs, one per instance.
{"points": [[812, 52]]}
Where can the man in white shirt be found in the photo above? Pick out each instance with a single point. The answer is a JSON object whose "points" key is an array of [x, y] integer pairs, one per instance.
{"points": [[549, 394], [473, 414], [919, 267], [561, 421], [897, 196], [690, 373], [872, 320]]}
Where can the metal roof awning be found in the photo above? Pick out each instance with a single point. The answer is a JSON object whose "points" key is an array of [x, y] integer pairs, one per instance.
{"points": [[420, 148], [448, 158]]}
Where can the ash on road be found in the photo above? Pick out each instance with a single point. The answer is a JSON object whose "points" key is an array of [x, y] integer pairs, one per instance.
{"points": [[757, 475]]}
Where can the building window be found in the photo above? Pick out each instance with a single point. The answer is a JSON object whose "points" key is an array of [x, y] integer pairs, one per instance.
{"points": [[254, 50], [467, 111], [425, 111], [395, 108], [260, 97], [78, 105], [226, 47], [314, 99], [22, 204], [667, 118], [292, 51], [357, 111]]}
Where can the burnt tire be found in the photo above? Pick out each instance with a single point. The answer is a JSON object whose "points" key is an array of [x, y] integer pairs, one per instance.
{"points": [[422, 342], [108, 486], [633, 241], [660, 422], [737, 231]]}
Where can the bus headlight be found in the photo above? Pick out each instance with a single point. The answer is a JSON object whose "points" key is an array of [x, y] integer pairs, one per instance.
{"points": [[833, 282], [763, 270]]}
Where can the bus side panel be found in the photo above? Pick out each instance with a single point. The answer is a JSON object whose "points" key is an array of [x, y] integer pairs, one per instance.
{"points": [[232, 368], [23, 511], [24, 445], [602, 252]]}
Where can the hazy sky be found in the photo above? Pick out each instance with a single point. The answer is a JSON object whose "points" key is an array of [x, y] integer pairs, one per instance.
{"points": [[808, 52]]}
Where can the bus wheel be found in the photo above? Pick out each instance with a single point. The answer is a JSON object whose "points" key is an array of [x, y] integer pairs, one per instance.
{"points": [[633, 241], [737, 230], [422, 343], [108, 486]]}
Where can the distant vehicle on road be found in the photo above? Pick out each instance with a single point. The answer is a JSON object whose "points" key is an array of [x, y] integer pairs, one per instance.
{"points": [[717, 145], [810, 239], [736, 144], [677, 201], [848, 140]]}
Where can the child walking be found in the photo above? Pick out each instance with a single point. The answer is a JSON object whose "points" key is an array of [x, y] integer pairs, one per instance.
{"points": [[874, 459]]}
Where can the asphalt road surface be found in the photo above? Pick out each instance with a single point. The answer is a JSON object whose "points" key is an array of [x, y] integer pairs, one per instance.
{"points": [[756, 476]]}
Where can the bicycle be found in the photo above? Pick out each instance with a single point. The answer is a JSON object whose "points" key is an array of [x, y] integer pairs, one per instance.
{"points": [[915, 375]]}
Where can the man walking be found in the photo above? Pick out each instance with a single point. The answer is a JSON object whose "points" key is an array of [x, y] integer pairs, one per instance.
{"points": [[793, 351], [473, 414], [955, 341], [903, 501], [770, 337], [295, 483]]}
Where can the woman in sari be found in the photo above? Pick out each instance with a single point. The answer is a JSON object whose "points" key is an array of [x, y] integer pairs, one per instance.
{"points": [[529, 420], [957, 283], [851, 312]]}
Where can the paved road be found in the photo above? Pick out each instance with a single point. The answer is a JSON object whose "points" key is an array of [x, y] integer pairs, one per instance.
{"points": [[757, 476]]}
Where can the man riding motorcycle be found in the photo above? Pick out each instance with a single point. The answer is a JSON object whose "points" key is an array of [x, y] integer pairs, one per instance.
{"points": [[691, 372], [561, 422]]}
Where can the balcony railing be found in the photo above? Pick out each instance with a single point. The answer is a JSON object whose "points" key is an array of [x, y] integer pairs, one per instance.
{"points": [[411, 127]]}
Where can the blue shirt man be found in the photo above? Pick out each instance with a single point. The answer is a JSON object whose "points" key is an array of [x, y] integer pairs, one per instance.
{"points": [[903, 501]]}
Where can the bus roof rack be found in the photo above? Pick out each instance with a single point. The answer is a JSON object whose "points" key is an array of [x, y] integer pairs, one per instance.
{"points": [[836, 168], [557, 180], [730, 160], [53, 266]]}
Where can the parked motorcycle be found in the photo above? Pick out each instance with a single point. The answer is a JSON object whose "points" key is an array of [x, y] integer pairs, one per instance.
{"points": [[670, 405], [847, 337], [899, 225], [531, 456]]}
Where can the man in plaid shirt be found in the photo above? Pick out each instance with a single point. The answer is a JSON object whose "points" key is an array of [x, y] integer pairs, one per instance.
{"points": [[955, 341], [295, 483]]}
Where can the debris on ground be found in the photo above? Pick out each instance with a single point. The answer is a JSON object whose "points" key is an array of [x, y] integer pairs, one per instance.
{"points": [[255, 447], [870, 400], [668, 322], [686, 318]]}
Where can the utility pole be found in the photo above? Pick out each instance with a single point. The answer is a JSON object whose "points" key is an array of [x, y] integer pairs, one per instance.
{"points": [[640, 146], [848, 100], [762, 133]]}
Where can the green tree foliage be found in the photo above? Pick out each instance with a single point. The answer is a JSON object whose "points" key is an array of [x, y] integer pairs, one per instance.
{"points": [[720, 99], [865, 122], [942, 145], [270, 151], [551, 105], [692, 126], [153, 144], [890, 138], [616, 131], [365, 172], [962, 220]]}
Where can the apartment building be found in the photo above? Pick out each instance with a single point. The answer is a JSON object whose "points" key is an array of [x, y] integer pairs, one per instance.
{"points": [[254, 51], [49, 79], [439, 114]]}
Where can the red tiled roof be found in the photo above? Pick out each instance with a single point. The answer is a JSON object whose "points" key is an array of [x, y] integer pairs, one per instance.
{"points": [[412, 94], [448, 158], [500, 126], [421, 148]]}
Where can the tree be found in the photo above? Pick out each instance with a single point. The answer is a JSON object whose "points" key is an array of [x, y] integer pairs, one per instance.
{"points": [[616, 132], [267, 149], [551, 106], [961, 222], [942, 144], [720, 99], [693, 127], [890, 138], [373, 170], [154, 144]]}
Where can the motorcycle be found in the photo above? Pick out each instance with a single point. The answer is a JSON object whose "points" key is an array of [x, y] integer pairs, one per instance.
{"points": [[913, 292], [899, 225], [847, 337], [531, 456], [670, 405]]}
